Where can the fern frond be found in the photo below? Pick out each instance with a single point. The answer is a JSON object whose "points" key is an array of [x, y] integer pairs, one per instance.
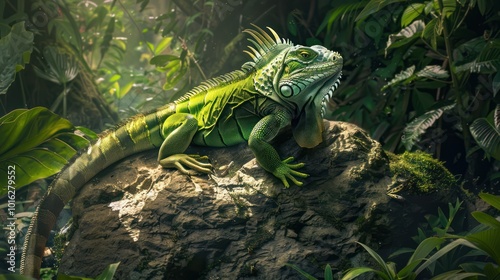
{"points": [[433, 72], [405, 35], [409, 75], [417, 127], [402, 76]]}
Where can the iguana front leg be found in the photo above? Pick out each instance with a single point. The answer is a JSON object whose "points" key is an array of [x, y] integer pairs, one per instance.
{"points": [[178, 131], [267, 157]]}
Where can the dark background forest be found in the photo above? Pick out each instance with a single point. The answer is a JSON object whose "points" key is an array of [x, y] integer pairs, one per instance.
{"points": [[418, 75]]}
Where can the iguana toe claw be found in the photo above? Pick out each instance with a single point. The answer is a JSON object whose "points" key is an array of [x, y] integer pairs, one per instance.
{"points": [[286, 172]]}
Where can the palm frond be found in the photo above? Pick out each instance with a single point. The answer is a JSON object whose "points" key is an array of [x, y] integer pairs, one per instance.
{"points": [[58, 67], [487, 135]]}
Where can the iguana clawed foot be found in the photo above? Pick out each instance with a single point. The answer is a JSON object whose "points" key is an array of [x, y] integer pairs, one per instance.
{"points": [[287, 171], [183, 161]]}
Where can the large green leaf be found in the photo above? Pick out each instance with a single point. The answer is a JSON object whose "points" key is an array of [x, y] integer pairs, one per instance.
{"points": [[15, 52], [411, 12], [417, 127], [424, 248], [492, 200], [38, 144], [431, 32], [163, 59], [419, 255], [162, 45], [443, 251], [487, 241], [486, 219], [387, 270], [487, 135], [355, 272]]}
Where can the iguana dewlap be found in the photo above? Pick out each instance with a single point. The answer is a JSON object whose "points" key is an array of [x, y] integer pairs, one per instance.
{"points": [[284, 85]]}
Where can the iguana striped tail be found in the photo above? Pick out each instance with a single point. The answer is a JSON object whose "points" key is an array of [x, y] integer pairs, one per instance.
{"points": [[137, 134]]}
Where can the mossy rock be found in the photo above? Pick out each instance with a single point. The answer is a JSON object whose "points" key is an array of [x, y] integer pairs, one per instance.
{"points": [[419, 173]]}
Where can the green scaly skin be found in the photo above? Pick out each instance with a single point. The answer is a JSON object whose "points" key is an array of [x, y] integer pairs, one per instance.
{"points": [[285, 85]]}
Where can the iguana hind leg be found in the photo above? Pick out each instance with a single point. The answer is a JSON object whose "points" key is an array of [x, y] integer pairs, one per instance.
{"points": [[178, 131]]}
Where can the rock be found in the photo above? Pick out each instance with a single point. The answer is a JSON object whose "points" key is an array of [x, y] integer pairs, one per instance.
{"points": [[239, 223]]}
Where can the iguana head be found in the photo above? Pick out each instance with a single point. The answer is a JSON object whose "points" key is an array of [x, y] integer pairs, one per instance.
{"points": [[300, 78]]}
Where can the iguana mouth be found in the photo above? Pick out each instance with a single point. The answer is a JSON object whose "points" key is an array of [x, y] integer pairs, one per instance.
{"points": [[329, 94]]}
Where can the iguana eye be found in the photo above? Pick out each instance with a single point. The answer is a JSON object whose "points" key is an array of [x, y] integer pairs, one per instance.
{"points": [[305, 54]]}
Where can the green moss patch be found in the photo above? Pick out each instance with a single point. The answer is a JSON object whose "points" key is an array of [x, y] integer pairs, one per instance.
{"points": [[419, 172]]}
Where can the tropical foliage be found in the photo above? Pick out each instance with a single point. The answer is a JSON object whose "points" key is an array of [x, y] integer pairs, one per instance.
{"points": [[40, 143], [84, 65], [479, 260], [430, 82]]}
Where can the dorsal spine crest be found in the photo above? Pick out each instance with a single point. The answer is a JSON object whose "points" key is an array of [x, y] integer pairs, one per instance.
{"points": [[265, 48], [219, 81]]}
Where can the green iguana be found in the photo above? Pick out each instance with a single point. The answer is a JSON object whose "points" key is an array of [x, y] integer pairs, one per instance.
{"points": [[285, 85]]}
